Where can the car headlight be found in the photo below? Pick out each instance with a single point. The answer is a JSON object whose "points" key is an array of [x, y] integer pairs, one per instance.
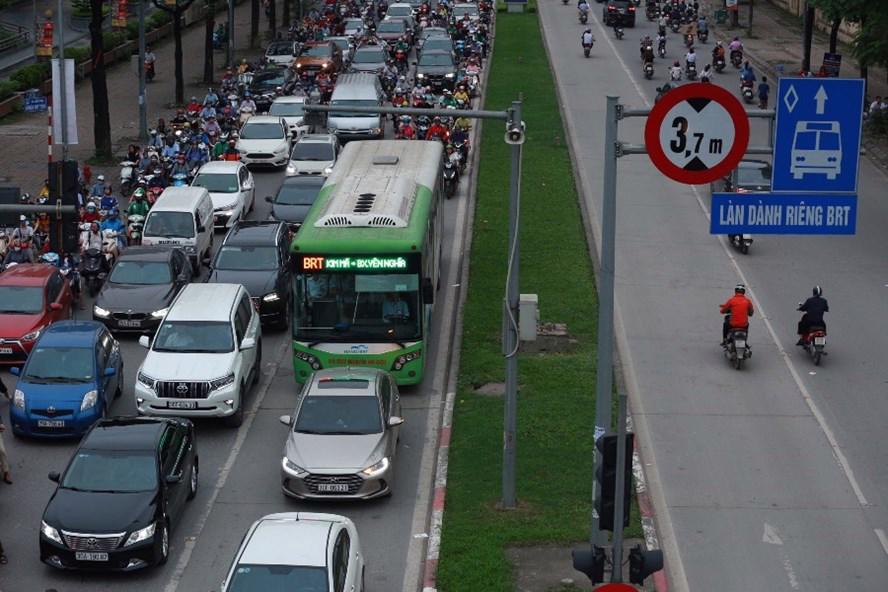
{"points": [[298, 66], [449, 75], [190, 249], [159, 314], [100, 312], [50, 532], [143, 534], [401, 360], [271, 297], [33, 335], [309, 359], [227, 208], [19, 399], [146, 380], [420, 75], [89, 400], [377, 469], [324, 65], [291, 168], [328, 170], [221, 382], [376, 131], [292, 468]]}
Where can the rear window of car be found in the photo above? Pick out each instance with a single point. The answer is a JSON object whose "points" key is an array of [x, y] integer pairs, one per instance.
{"points": [[343, 383]]}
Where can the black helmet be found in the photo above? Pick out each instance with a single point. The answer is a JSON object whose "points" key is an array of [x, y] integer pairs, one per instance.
{"points": [[817, 291], [740, 289]]}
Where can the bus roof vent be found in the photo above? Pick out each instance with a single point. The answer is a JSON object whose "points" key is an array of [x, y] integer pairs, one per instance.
{"points": [[388, 159], [380, 201]]}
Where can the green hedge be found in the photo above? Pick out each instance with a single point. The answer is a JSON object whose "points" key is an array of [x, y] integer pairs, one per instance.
{"points": [[7, 89], [31, 76], [157, 18], [78, 54]]}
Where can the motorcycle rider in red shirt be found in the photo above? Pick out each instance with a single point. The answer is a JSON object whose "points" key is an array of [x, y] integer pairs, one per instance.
{"points": [[737, 311]]}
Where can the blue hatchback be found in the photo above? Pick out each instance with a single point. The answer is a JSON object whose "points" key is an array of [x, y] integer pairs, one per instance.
{"points": [[68, 382]]}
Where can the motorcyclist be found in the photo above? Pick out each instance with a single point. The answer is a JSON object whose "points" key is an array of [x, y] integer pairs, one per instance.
{"points": [[691, 57], [718, 52], [702, 25], [647, 54], [447, 100], [706, 74], [180, 167], [91, 213], [586, 39], [193, 106], [98, 188], [179, 119], [108, 201], [24, 234], [211, 99], [171, 149], [247, 107], [737, 311], [675, 71], [68, 266], [661, 41], [92, 239], [645, 43], [735, 45], [207, 111], [747, 74], [583, 7], [16, 254], [231, 153], [461, 94], [194, 155], [113, 222], [437, 131], [661, 23], [220, 147], [813, 307], [138, 205], [212, 127]]}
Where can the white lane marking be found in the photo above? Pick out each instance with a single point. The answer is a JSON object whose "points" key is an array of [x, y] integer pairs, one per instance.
{"points": [[770, 535], [882, 539], [790, 573], [191, 541]]}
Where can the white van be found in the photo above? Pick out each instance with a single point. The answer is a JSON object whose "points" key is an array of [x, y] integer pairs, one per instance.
{"points": [[356, 90], [182, 217]]}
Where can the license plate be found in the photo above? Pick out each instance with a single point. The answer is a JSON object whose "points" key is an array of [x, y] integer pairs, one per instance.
{"points": [[333, 487], [51, 423], [129, 323], [5, 350], [85, 556], [740, 344], [820, 341], [181, 404]]}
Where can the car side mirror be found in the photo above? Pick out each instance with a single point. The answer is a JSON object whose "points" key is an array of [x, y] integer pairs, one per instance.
{"points": [[55, 306], [111, 371], [285, 419], [395, 421], [428, 291], [269, 199], [173, 479], [248, 343], [54, 476], [145, 341], [15, 370]]}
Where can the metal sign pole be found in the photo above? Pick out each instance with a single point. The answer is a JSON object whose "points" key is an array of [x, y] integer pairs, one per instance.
{"points": [[63, 99], [143, 105]]}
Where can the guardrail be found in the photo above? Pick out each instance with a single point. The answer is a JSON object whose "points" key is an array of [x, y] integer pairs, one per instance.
{"points": [[13, 36]]}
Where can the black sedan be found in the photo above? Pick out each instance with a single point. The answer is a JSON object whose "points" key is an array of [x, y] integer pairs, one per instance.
{"points": [[750, 176], [266, 81], [436, 68], [294, 198], [141, 287], [255, 254], [121, 493]]}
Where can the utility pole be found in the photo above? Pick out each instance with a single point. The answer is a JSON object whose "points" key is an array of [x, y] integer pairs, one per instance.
{"points": [[229, 58], [143, 103]]}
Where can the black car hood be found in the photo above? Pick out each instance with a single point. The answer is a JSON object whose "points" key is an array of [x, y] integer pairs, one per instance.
{"points": [[368, 66], [435, 70], [122, 297], [291, 214], [258, 283], [99, 513]]}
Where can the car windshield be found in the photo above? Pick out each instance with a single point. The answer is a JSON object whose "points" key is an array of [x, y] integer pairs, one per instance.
{"points": [[21, 300], [318, 51], [345, 104], [432, 32], [320, 151], [460, 10], [340, 42], [286, 109], [262, 131], [391, 27], [399, 11], [169, 224], [278, 48], [61, 364], [205, 337], [118, 471], [352, 24], [278, 578], [217, 183], [247, 258], [435, 59], [299, 194], [357, 307], [753, 175], [438, 43], [269, 79], [143, 273], [369, 56], [340, 414]]}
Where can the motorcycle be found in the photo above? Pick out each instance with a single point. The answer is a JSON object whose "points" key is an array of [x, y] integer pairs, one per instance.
{"points": [[127, 168], [719, 64], [618, 31], [736, 58], [93, 269], [814, 341], [675, 73], [702, 36], [736, 347], [675, 25], [134, 226], [741, 242], [689, 40], [110, 245], [179, 180], [746, 91], [652, 12], [648, 70], [584, 16], [661, 48], [587, 49], [451, 178], [691, 71], [149, 71], [661, 91]]}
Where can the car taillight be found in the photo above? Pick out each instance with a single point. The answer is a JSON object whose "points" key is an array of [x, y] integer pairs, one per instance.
{"points": [[741, 190], [631, 8], [610, 8]]}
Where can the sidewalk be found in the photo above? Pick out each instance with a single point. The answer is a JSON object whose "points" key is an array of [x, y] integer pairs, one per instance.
{"points": [[23, 136], [22, 14]]}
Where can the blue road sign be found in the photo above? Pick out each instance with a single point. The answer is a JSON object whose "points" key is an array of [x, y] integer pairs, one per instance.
{"points": [[817, 135], [783, 213]]}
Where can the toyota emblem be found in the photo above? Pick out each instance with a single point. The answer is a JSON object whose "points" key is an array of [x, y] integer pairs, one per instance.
{"points": [[92, 542], [182, 389], [50, 410]]}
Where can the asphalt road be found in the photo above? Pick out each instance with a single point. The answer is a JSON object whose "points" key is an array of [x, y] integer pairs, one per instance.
{"points": [[240, 468], [772, 478]]}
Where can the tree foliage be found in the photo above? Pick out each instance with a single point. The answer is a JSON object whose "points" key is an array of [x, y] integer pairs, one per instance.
{"points": [[176, 10], [870, 43]]}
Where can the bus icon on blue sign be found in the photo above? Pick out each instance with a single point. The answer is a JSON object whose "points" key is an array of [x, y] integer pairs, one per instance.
{"points": [[816, 148]]}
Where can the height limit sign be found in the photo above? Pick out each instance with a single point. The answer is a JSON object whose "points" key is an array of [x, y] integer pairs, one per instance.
{"points": [[697, 133]]}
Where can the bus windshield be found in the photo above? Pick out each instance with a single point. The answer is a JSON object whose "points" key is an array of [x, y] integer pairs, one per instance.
{"points": [[345, 307]]}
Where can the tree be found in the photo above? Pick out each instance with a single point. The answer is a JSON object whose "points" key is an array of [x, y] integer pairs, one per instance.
{"points": [[101, 118], [176, 8], [254, 23], [272, 17], [210, 20], [285, 18]]}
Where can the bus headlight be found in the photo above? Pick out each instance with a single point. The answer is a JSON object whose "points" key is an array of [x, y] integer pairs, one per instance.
{"points": [[309, 359], [402, 360]]}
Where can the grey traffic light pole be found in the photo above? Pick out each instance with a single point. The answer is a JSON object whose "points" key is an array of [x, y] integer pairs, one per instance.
{"points": [[143, 103], [620, 490], [229, 58], [63, 99]]}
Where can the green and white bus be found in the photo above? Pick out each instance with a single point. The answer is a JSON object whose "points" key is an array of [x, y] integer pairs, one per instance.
{"points": [[367, 261]]}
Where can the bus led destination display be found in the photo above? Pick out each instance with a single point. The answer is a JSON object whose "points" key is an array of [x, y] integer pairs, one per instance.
{"points": [[327, 263]]}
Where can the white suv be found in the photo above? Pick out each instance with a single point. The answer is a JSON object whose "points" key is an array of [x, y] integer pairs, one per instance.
{"points": [[298, 551], [206, 354]]}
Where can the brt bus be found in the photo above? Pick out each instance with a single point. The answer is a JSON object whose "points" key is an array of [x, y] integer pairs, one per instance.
{"points": [[367, 261]]}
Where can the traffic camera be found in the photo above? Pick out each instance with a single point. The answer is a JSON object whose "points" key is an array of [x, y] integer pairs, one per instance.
{"points": [[515, 133]]}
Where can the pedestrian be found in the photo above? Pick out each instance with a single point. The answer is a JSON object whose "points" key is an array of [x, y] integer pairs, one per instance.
{"points": [[876, 105], [763, 91], [4, 459]]}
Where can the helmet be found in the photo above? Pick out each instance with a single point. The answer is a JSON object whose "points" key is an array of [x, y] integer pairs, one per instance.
{"points": [[112, 212], [139, 193], [740, 289], [25, 197], [818, 291], [437, 119], [91, 207], [23, 218], [718, 43], [101, 177], [193, 98], [51, 258]]}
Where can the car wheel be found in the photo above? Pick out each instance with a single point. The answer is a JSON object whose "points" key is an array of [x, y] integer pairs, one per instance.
{"points": [[237, 418], [192, 480], [257, 365], [284, 323], [163, 551]]}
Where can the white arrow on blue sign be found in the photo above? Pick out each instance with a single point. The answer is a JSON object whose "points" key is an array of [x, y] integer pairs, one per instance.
{"points": [[817, 135]]}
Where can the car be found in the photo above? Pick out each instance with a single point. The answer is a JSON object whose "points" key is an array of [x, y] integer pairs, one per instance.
{"points": [[399, 9], [266, 82], [290, 108], [256, 255], [428, 33], [353, 27], [346, 45], [436, 69], [466, 8], [343, 436], [305, 551], [391, 29], [206, 355], [122, 492], [140, 288], [282, 53], [750, 176], [32, 297], [621, 12], [317, 56], [73, 373], [369, 58], [264, 140], [231, 188], [294, 199], [439, 44], [313, 154]]}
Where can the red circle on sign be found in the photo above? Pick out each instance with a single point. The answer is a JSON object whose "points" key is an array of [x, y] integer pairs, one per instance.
{"points": [[657, 117], [616, 588]]}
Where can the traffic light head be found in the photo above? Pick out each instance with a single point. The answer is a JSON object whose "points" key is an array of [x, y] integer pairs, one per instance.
{"points": [[590, 562], [642, 563]]}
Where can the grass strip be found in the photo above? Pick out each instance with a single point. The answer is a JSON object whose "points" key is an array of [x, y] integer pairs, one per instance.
{"points": [[557, 399]]}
